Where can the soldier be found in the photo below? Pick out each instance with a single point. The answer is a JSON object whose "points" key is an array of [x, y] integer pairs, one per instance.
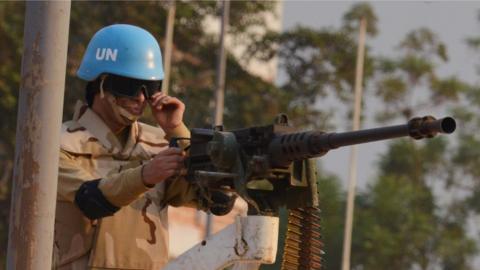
{"points": [[117, 175]]}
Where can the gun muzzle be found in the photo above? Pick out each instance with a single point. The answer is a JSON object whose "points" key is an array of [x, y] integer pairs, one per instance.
{"points": [[428, 126]]}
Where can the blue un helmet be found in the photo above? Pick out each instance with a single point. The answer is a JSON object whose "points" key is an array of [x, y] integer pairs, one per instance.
{"points": [[123, 50]]}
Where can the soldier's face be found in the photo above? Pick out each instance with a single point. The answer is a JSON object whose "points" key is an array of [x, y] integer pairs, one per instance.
{"points": [[134, 105]]}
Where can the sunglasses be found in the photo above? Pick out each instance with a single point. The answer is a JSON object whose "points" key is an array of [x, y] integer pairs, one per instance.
{"points": [[121, 86]]}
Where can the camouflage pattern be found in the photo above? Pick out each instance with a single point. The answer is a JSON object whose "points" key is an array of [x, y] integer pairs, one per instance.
{"points": [[136, 237]]}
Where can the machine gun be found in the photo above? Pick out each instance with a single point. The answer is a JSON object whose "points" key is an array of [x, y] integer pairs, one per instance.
{"points": [[271, 167]]}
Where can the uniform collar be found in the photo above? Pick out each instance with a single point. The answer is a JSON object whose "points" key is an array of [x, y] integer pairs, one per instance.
{"points": [[87, 118]]}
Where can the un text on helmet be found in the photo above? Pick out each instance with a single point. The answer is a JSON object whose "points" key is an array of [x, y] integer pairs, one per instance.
{"points": [[106, 54]]}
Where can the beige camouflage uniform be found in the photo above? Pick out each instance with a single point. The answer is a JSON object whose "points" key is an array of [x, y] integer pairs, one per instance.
{"points": [[135, 237]]}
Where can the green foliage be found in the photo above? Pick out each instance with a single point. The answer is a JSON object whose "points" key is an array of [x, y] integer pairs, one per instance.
{"points": [[466, 158], [467, 155], [10, 56], [394, 88], [400, 222], [332, 204], [398, 225], [240, 24], [408, 159], [412, 72], [425, 42], [317, 63], [246, 97], [447, 89], [356, 13]]}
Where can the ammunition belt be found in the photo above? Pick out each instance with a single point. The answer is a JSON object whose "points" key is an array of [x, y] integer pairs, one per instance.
{"points": [[303, 243]]}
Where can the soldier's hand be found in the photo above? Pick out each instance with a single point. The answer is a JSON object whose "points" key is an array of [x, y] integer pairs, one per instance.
{"points": [[164, 165], [168, 111]]}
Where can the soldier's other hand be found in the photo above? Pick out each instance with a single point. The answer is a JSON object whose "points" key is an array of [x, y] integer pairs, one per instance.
{"points": [[167, 111], [166, 164]]}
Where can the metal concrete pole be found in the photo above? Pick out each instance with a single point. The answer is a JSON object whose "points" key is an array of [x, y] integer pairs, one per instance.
{"points": [[220, 82], [347, 238], [221, 65], [168, 46], [35, 174]]}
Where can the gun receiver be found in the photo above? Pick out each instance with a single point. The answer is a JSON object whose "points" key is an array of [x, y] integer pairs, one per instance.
{"points": [[270, 166]]}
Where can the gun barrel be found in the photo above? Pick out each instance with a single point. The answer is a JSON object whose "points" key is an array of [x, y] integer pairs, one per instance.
{"points": [[302, 145], [417, 128]]}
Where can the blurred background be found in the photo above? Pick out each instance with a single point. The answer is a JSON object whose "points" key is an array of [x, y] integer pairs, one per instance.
{"points": [[417, 203]]}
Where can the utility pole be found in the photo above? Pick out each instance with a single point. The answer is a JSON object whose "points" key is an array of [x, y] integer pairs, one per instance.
{"points": [[221, 65], [168, 45], [347, 237], [32, 213], [220, 82]]}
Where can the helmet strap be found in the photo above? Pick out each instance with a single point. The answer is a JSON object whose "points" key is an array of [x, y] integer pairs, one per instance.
{"points": [[102, 92]]}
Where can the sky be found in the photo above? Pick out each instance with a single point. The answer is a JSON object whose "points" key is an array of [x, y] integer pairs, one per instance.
{"points": [[452, 21]]}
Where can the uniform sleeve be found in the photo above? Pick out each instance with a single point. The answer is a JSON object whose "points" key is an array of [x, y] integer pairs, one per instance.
{"points": [[119, 189], [70, 177], [123, 188], [180, 131]]}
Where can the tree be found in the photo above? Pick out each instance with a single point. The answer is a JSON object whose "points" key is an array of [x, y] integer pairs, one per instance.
{"points": [[466, 159], [11, 32], [404, 82], [318, 63], [402, 221], [332, 204]]}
